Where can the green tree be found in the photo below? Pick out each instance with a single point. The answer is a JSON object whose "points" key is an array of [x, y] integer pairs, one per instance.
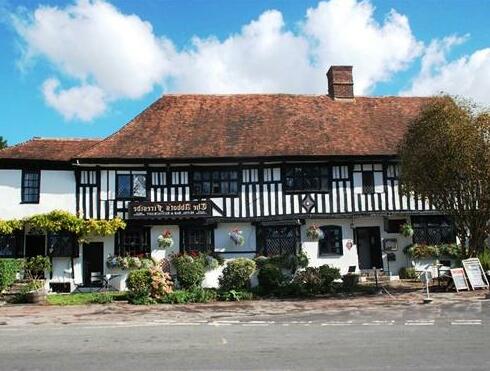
{"points": [[3, 143], [445, 157]]}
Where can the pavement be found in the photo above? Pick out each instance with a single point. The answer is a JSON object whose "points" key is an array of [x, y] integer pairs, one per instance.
{"points": [[367, 333]]}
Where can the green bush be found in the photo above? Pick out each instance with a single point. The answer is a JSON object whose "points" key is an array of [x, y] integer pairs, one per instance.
{"points": [[190, 271], [8, 271], [407, 273], [270, 278], [485, 259], [328, 275], [236, 274], [290, 262], [196, 295], [350, 282], [139, 286], [234, 295], [310, 281], [35, 267], [102, 298]]}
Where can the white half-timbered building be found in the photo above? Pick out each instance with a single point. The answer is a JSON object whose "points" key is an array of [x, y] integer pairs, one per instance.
{"points": [[200, 166]]}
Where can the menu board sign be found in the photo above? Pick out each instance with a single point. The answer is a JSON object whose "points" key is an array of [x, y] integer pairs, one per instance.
{"points": [[459, 279], [475, 273]]}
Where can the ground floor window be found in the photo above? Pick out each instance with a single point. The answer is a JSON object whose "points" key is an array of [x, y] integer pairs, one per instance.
{"points": [[433, 230], [278, 239], [133, 241], [62, 244], [8, 246], [197, 238], [331, 243]]}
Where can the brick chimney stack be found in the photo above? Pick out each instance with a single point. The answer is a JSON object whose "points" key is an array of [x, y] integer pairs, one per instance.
{"points": [[340, 83]]}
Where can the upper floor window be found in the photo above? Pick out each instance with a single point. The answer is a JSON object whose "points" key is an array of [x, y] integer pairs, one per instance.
{"points": [[31, 183], [197, 238], [306, 178], [393, 171], [331, 243], [131, 186], [367, 182], [214, 182]]}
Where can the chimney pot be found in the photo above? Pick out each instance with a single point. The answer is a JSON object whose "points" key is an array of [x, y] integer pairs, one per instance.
{"points": [[340, 82]]}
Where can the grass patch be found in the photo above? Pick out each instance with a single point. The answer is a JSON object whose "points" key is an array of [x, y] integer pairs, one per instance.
{"points": [[86, 298]]}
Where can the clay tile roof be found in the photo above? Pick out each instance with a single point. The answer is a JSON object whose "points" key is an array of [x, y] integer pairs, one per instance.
{"points": [[260, 125], [47, 149]]}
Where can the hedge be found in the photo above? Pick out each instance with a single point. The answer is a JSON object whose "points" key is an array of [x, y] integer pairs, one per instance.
{"points": [[8, 271]]}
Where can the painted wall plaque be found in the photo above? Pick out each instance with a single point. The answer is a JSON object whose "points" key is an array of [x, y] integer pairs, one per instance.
{"points": [[173, 209]]}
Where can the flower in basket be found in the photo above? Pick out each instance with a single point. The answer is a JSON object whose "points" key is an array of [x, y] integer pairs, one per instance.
{"points": [[406, 230], [236, 235], [165, 240], [313, 232], [111, 262]]}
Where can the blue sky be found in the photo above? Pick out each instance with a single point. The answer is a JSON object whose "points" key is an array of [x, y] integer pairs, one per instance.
{"points": [[84, 68]]}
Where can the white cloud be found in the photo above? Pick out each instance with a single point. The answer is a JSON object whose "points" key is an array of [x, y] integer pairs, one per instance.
{"points": [[468, 76], [83, 102], [345, 32], [120, 56]]}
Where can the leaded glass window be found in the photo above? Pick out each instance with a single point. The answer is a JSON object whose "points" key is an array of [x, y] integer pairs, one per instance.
{"points": [[331, 243], [306, 178], [131, 186], [31, 182]]}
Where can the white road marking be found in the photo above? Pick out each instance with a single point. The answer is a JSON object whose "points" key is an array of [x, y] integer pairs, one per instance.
{"points": [[466, 322], [420, 322], [337, 323], [255, 324]]}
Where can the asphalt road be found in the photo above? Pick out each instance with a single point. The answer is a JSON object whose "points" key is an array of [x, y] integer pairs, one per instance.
{"points": [[363, 342]]}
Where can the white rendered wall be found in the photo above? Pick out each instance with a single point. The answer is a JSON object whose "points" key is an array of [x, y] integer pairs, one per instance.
{"points": [[57, 191]]}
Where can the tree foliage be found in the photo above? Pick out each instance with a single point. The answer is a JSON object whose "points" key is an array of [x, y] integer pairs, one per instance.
{"points": [[3, 142], [59, 220], [445, 157]]}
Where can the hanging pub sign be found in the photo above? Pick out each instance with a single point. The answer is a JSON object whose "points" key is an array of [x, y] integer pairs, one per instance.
{"points": [[459, 279], [172, 209], [475, 273]]}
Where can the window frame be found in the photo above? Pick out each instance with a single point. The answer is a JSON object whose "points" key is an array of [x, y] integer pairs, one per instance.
{"points": [[321, 187], [25, 172], [325, 229], [372, 189], [229, 180], [131, 185], [145, 235], [185, 229], [261, 238], [425, 220]]}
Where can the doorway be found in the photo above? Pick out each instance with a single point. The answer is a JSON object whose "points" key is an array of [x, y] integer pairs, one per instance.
{"points": [[93, 262], [369, 247]]}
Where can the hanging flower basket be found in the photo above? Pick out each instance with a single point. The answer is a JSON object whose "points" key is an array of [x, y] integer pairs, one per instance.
{"points": [[236, 236], [165, 240], [313, 232], [406, 230]]}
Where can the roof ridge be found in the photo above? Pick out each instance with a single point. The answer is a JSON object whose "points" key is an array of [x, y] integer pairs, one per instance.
{"points": [[67, 138]]}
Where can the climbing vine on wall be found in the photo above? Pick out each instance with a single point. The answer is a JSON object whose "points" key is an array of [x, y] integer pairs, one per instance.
{"points": [[59, 220]]}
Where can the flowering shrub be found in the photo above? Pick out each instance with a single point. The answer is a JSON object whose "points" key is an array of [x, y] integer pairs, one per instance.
{"points": [[165, 240], [129, 262], [161, 282], [422, 251], [236, 235], [313, 232]]}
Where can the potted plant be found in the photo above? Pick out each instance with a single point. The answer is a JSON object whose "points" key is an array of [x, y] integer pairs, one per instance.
{"points": [[313, 232], [406, 230], [236, 235], [34, 270], [165, 240]]}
